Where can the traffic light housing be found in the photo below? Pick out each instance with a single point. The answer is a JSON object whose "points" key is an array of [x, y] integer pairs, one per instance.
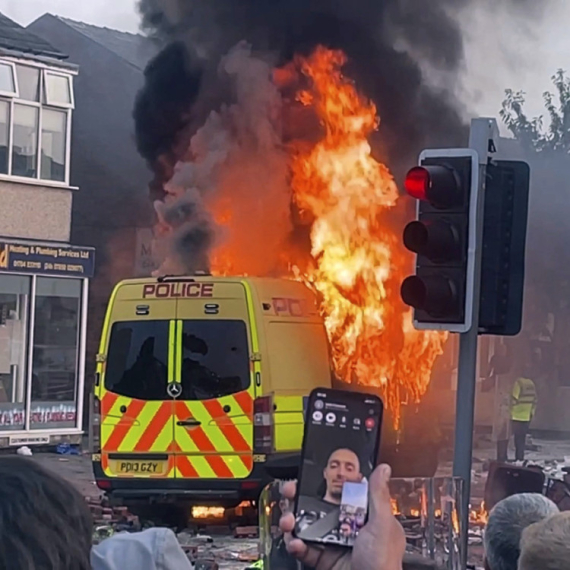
{"points": [[443, 237], [504, 244]]}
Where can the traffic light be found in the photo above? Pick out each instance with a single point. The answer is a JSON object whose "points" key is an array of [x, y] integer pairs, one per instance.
{"points": [[443, 237], [503, 253]]}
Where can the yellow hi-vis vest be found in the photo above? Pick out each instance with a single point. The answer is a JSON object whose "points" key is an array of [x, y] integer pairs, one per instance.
{"points": [[523, 400]]}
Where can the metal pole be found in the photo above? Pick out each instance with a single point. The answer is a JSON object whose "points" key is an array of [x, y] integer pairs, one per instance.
{"points": [[483, 138], [464, 419], [91, 424]]}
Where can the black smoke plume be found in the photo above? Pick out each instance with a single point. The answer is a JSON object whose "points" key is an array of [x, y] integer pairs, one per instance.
{"points": [[367, 30], [389, 44], [162, 109], [375, 34]]}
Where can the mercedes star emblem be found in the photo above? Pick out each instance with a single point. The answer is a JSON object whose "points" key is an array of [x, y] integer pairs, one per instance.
{"points": [[174, 390]]}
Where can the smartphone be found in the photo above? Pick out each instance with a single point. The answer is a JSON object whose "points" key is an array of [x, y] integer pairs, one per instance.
{"points": [[340, 450]]}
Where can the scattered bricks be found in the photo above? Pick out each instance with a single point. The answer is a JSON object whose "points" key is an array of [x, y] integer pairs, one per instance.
{"points": [[248, 556], [134, 521], [190, 550], [246, 532], [107, 511], [93, 500], [96, 510]]}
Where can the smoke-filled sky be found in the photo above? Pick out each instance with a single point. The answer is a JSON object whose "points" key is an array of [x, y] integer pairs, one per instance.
{"points": [[520, 54]]}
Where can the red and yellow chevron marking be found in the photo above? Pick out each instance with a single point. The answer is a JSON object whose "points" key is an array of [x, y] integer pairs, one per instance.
{"points": [[212, 446], [221, 447]]}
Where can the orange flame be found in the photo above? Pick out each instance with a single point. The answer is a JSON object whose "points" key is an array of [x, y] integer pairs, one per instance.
{"points": [[394, 505], [479, 516], [455, 521], [200, 512], [358, 262]]}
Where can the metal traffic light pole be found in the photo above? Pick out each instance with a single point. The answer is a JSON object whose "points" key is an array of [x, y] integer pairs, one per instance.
{"points": [[483, 138]]}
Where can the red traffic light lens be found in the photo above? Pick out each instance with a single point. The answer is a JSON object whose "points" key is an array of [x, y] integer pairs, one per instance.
{"points": [[417, 183], [434, 294], [414, 292]]}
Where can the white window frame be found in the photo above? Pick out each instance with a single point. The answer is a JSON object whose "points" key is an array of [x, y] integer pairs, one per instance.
{"points": [[67, 112], [37, 106], [13, 99], [48, 103], [16, 92]]}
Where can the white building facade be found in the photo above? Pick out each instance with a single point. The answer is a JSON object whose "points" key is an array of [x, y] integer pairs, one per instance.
{"points": [[43, 278]]}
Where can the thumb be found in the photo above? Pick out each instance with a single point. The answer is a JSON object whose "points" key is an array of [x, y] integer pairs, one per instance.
{"points": [[379, 492]]}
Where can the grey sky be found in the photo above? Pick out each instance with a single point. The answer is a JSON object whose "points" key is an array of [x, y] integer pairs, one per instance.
{"points": [[118, 14], [501, 50]]}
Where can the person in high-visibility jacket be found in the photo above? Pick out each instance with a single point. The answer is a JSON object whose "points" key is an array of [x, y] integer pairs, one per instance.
{"points": [[523, 406]]}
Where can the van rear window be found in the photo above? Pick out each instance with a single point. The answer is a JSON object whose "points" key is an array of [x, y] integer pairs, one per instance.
{"points": [[137, 360], [215, 359]]}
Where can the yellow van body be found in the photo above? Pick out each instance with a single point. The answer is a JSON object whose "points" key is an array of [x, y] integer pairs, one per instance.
{"points": [[182, 363]]}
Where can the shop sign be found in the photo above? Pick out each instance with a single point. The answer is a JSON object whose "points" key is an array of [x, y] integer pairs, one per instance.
{"points": [[69, 260], [12, 415], [47, 413], [51, 413]]}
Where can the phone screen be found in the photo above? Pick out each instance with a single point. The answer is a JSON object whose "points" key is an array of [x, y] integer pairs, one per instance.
{"points": [[340, 449]]}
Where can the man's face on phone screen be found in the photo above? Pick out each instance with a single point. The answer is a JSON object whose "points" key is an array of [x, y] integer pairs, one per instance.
{"points": [[342, 465]]}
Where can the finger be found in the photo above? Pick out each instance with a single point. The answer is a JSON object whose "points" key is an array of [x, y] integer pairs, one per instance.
{"points": [[308, 555], [287, 522], [289, 489], [380, 506]]}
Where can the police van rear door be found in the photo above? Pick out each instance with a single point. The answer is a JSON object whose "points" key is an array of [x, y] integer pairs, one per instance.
{"points": [[213, 427], [139, 363]]}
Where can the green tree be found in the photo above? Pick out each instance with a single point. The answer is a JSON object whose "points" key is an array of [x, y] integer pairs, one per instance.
{"points": [[531, 132]]}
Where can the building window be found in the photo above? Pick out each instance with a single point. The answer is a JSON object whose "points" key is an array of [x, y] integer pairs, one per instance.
{"points": [[7, 79], [54, 134], [25, 141], [28, 83], [14, 303], [58, 89], [4, 135], [35, 118], [55, 352]]}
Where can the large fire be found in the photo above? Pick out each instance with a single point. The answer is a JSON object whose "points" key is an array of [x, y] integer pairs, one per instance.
{"points": [[357, 262]]}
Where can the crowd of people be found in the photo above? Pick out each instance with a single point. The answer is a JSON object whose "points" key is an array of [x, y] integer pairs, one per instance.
{"points": [[45, 524]]}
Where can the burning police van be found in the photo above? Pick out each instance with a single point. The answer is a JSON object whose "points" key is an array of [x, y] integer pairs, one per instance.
{"points": [[201, 383]]}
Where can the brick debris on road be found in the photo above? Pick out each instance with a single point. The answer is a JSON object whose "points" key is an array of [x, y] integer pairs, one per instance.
{"points": [[216, 549]]}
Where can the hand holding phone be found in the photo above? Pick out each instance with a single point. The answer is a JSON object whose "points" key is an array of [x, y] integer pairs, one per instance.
{"points": [[340, 450]]}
